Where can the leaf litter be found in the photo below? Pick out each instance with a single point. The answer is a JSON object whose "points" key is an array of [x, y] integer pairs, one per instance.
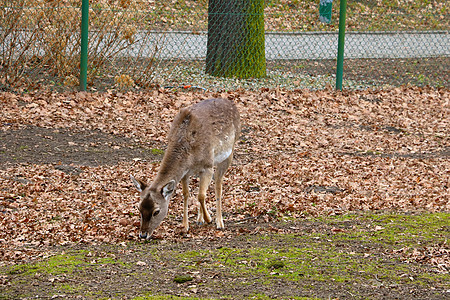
{"points": [[300, 153]]}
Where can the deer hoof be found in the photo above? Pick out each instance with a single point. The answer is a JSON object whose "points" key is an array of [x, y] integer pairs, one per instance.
{"points": [[219, 225]]}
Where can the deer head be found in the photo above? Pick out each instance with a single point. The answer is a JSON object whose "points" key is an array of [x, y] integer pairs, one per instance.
{"points": [[153, 206]]}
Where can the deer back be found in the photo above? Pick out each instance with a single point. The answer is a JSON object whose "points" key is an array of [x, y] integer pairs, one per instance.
{"points": [[200, 137]]}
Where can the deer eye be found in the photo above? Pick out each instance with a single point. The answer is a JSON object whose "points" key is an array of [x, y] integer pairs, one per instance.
{"points": [[156, 212]]}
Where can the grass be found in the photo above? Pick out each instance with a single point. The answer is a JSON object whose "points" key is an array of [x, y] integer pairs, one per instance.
{"points": [[156, 151], [61, 264], [352, 256], [314, 261], [397, 229], [362, 253]]}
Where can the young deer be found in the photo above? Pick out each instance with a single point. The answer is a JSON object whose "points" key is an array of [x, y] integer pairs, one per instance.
{"points": [[201, 137]]}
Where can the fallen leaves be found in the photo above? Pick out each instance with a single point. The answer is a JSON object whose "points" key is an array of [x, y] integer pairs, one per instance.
{"points": [[301, 152], [437, 256]]}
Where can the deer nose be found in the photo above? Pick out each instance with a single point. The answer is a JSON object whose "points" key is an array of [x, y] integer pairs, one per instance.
{"points": [[143, 235]]}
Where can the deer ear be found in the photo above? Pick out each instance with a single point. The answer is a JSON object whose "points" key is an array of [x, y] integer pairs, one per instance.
{"points": [[168, 189], [140, 185]]}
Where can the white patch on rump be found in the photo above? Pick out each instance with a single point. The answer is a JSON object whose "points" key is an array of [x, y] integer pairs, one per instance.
{"points": [[224, 149], [220, 157]]}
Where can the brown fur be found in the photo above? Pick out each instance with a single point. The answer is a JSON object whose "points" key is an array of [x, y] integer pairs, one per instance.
{"points": [[201, 137]]}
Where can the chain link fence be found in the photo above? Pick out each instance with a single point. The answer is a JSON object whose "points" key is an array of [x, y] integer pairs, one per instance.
{"points": [[143, 44]]}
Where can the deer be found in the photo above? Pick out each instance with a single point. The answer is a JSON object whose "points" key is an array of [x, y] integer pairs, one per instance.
{"points": [[200, 143]]}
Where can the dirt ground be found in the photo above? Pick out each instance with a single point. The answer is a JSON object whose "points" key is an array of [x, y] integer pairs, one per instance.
{"points": [[365, 73], [212, 266], [361, 252], [64, 147], [137, 269], [383, 72]]}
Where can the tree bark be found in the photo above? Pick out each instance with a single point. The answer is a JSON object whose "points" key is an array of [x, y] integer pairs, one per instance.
{"points": [[236, 42]]}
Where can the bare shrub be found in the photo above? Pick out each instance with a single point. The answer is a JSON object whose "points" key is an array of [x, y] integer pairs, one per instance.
{"points": [[40, 42]]}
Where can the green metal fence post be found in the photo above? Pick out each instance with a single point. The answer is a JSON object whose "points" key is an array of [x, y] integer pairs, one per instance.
{"points": [[84, 44], [340, 57]]}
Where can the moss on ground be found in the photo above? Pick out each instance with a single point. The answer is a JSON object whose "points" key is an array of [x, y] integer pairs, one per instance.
{"points": [[65, 263], [354, 254], [395, 229]]}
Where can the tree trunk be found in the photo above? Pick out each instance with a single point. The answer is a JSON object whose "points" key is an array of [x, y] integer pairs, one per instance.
{"points": [[236, 42]]}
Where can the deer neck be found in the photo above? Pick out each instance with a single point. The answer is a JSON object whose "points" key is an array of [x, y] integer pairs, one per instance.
{"points": [[172, 167]]}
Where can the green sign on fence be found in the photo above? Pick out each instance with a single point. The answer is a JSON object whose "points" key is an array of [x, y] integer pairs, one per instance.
{"points": [[325, 8]]}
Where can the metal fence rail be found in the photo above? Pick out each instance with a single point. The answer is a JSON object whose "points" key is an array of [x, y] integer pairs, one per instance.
{"points": [[140, 44]]}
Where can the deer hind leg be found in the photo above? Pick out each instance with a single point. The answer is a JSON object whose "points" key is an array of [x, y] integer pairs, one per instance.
{"points": [[218, 179], [185, 186], [205, 179]]}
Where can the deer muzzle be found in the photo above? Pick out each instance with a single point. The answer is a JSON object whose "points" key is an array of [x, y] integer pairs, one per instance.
{"points": [[144, 235]]}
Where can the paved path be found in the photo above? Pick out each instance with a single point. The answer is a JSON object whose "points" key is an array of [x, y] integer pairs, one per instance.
{"points": [[315, 45], [310, 45]]}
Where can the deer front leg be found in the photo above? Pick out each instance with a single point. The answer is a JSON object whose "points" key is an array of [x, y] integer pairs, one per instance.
{"points": [[185, 186], [218, 190], [205, 179], [218, 178]]}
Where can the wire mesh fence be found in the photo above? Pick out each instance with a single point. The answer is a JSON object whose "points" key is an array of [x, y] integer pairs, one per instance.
{"points": [[141, 44]]}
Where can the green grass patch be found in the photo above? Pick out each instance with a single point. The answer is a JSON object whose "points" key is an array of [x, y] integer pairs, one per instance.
{"points": [[62, 264], [394, 229], [355, 254], [156, 151]]}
